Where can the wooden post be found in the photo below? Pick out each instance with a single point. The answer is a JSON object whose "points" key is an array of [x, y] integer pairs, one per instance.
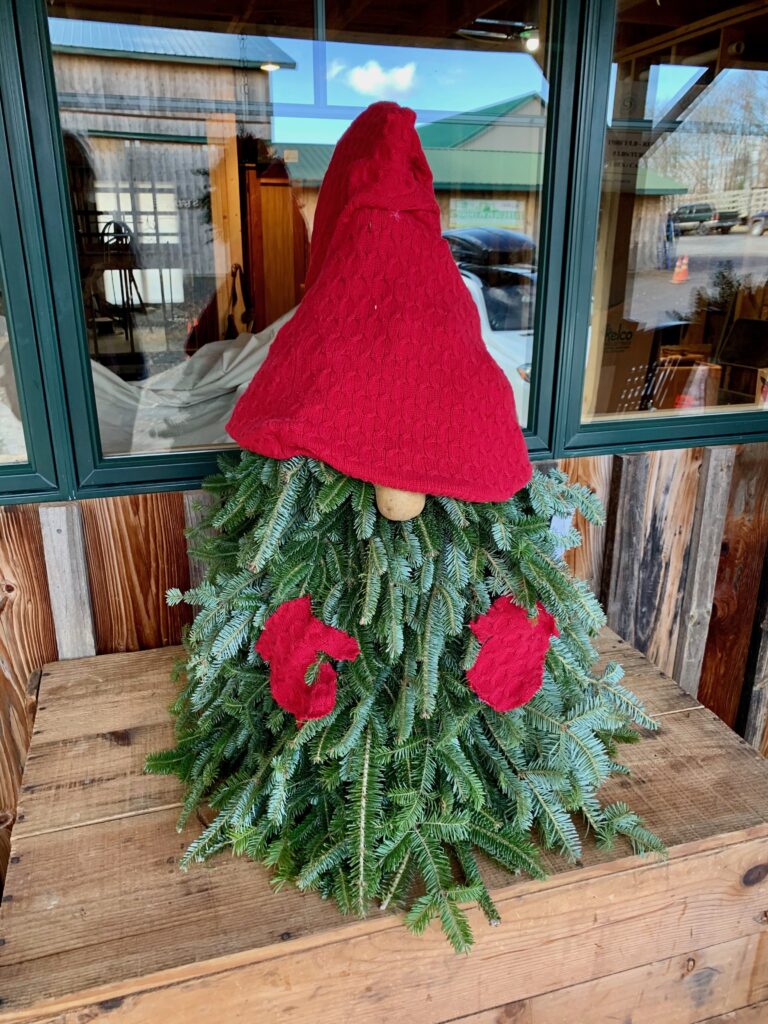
{"points": [[706, 538], [624, 543], [735, 604], [196, 504], [594, 472], [649, 548], [62, 529], [756, 727]]}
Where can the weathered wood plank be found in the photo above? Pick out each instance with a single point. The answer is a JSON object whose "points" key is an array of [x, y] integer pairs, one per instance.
{"points": [[75, 775], [371, 971], [5, 851], [756, 724], [594, 472], [108, 757], [62, 531], [652, 508], [196, 504], [755, 1014], [624, 542], [136, 550], [107, 784], [683, 989], [706, 536], [27, 640], [743, 549], [671, 504]]}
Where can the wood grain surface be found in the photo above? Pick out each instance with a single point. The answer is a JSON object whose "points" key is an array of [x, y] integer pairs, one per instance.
{"points": [[685, 989], [135, 549], [196, 504], [743, 550], [653, 501], [709, 518], [67, 573], [755, 1014], [755, 700], [593, 472], [27, 640], [104, 767], [98, 919], [581, 926]]}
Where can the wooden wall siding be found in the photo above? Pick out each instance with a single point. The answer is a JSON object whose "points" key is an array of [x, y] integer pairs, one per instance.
{"points": [[756, 681], [651, 514], [742, 554], [27, 641], [135, 550], [594, 472], [195, 505], [706, 537], [61, 524]]}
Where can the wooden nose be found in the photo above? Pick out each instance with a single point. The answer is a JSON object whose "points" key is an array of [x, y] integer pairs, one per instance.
{"points": [[399, 505]]}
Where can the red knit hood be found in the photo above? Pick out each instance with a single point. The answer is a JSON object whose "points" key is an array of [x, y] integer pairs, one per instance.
{"points": [[382, 372]]}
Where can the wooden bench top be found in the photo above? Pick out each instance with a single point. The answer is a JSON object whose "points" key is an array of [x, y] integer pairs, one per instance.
{"points": [[98, 922]]}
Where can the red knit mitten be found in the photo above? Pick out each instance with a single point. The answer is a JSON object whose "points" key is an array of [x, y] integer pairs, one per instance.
{"points": [[510, 666], [291, 641]]}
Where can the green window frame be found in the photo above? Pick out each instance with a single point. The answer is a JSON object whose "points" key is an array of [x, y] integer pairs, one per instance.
{"points": [[30, 317], [570, 436], [54, 378]]}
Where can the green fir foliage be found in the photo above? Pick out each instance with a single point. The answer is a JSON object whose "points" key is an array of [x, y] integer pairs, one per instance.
{"points": [[387, 800]]}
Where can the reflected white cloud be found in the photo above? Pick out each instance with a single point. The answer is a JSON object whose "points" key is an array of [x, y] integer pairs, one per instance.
{"points": [[335, 68], [370, 79]]}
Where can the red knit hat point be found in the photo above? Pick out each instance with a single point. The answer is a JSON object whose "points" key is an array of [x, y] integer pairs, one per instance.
{"points": [[382, 372]]}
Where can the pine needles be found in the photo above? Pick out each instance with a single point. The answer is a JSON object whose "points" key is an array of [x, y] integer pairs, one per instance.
{"points": [[387, 800]]}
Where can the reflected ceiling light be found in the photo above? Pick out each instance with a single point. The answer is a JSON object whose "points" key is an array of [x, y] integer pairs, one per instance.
{"points": [[495, 28], [269, 66]]}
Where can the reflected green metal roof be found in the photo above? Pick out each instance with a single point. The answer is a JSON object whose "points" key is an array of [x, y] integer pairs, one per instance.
{"points": [[152, 42], [459, 129], [651, 183], [469, 169]]}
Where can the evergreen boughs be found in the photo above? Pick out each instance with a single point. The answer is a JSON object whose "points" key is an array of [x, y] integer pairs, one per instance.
{"points": [[386, 800]]}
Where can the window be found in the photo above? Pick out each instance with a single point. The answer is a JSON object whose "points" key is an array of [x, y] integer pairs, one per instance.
{"points": [[679, 322], [195, 149], [600, 171]]}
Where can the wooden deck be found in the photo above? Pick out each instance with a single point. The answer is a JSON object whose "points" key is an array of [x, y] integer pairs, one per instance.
{"points": [[98, 923]]}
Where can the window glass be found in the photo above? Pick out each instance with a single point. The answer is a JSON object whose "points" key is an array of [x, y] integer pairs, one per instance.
{"points": [[12, 445], [680, 303], [196, 145]]}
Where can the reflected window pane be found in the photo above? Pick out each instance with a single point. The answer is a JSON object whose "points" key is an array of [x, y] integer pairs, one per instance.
{"points": [[12, 444], [196, 146], [680, 303]]}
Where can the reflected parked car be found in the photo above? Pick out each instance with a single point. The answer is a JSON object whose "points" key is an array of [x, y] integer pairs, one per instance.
{"points": [[498, 268]]}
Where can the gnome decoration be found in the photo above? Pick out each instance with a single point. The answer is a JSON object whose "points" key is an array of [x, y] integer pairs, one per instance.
{"points": [[390, 668]]}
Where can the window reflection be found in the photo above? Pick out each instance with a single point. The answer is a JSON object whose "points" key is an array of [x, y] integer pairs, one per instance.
{"points": [[680, 305], [195, 154]]}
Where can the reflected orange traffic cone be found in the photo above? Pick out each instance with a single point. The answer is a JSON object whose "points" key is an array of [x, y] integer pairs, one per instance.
{"points": [[680, 275]]}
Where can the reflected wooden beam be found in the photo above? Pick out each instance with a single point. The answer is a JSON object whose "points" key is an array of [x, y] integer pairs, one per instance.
{"points": [[730, 16], [339, 14]]}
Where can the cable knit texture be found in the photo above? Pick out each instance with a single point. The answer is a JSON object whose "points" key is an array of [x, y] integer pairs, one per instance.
{"points": [[382, 372], [291, 640], [509, 669]]}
